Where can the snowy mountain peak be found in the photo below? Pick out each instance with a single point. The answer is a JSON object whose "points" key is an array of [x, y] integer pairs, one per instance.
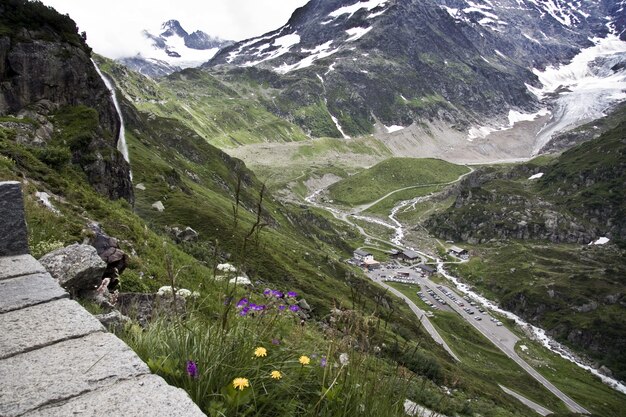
{"points": [[173, 28]]}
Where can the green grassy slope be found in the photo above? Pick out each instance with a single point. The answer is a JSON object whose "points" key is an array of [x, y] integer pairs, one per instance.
{"points": [[393, 174]]}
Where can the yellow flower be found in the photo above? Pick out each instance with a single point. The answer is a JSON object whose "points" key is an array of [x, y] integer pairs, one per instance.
{"points": [[260, 352], [276, 375], [241, 383], [304, 360]]}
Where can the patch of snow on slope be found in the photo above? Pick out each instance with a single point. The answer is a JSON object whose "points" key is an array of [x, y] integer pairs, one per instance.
{"points": [[284, 44], [319, 52], [562, 12], [586, 87], [600, 241], [515, 116], [369, 5], [376, 14], [393, 128], [357, 33], [536, 176], [339, 127]]}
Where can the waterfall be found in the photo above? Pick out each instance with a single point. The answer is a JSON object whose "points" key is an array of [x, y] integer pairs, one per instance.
{"points": [[121, 139]]}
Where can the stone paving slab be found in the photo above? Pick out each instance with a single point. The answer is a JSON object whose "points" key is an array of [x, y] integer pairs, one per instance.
{"points": [[148, 395], [29, 290], [65, 370], [44, 324], [15, 266]]}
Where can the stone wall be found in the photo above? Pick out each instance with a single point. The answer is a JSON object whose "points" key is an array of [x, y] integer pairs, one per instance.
{"points": [[13, 234]]}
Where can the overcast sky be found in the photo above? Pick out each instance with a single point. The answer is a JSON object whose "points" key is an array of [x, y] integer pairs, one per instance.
{"points": [[114, 26]]}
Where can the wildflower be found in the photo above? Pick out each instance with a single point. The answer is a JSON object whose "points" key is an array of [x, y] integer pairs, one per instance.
{"points": [[226, 267], [195, 294], [242, 303], [241, 383], [260, 352], [183, 292], [292, 294], [165, 291], [244, 311], [252, 306], [192, 369], [258, 307], [304, 360], [323, 362], [343, 359], [278, 294], [276, 375], [267, 292], [294, 308], [282, 307]]}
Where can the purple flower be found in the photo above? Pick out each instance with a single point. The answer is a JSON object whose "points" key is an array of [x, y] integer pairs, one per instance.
{"points": [[257, 307], [267, 292], [242, 303], [253, 306], [294, 308], [278, 294], [282, 307], [243, 312], [292, 294], [192, 369], [323, 362]]}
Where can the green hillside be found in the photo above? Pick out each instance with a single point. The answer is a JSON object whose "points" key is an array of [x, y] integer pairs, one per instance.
{"points": [[393, 174]]}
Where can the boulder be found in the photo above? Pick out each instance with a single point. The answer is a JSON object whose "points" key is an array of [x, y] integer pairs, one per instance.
{"points": [[76, 267], [109, 251], [187, 235], [158, 206]]}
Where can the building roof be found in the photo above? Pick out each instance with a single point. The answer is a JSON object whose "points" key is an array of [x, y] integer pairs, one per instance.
{"points": [[426, 268], [361, 252], [394, 252], [457, 249], [410, 254], [368, 262]]}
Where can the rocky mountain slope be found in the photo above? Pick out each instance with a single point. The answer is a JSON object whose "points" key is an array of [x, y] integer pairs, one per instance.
{"points": [[45, 69], [339, 67], [549, 238]]}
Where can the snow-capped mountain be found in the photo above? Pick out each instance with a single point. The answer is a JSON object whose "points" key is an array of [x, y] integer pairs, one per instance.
{"points": [[400, 62], [171, 48]]}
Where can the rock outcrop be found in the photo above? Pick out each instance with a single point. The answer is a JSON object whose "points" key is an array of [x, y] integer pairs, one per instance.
{"points": [[47, 67], [77, 268]]}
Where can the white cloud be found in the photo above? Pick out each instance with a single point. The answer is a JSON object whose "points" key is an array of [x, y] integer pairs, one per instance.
{"points": [[114, 27]]}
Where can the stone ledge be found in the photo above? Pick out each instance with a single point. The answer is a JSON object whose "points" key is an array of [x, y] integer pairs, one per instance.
{"points": [[147, 395], [65, 370], [43, 325], [28, 291], [15, 266], [14, 238]]}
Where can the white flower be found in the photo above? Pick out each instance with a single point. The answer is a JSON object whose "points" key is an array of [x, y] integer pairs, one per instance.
{"points": [[343, 359], [226, 267], [241, 280], [165, 291], [184, 293], [195, 294]]}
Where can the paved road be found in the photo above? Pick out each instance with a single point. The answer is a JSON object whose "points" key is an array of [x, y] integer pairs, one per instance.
{"points": [[500, 336], [428, 326], [528, 403]]}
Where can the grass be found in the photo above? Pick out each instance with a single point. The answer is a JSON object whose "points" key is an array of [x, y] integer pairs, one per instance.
{"points": [[384, 207], [390, 175]]}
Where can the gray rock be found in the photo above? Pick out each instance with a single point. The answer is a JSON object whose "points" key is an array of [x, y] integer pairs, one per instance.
{"points": [[75, 267], [44, 324], [605, 371], [147, 395], [109, 251], [187, 235], [64, 370], [28, 290], [140, 186], [113, 320], [15, 266], [158, 206], [304, 305], [14, 238]]}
